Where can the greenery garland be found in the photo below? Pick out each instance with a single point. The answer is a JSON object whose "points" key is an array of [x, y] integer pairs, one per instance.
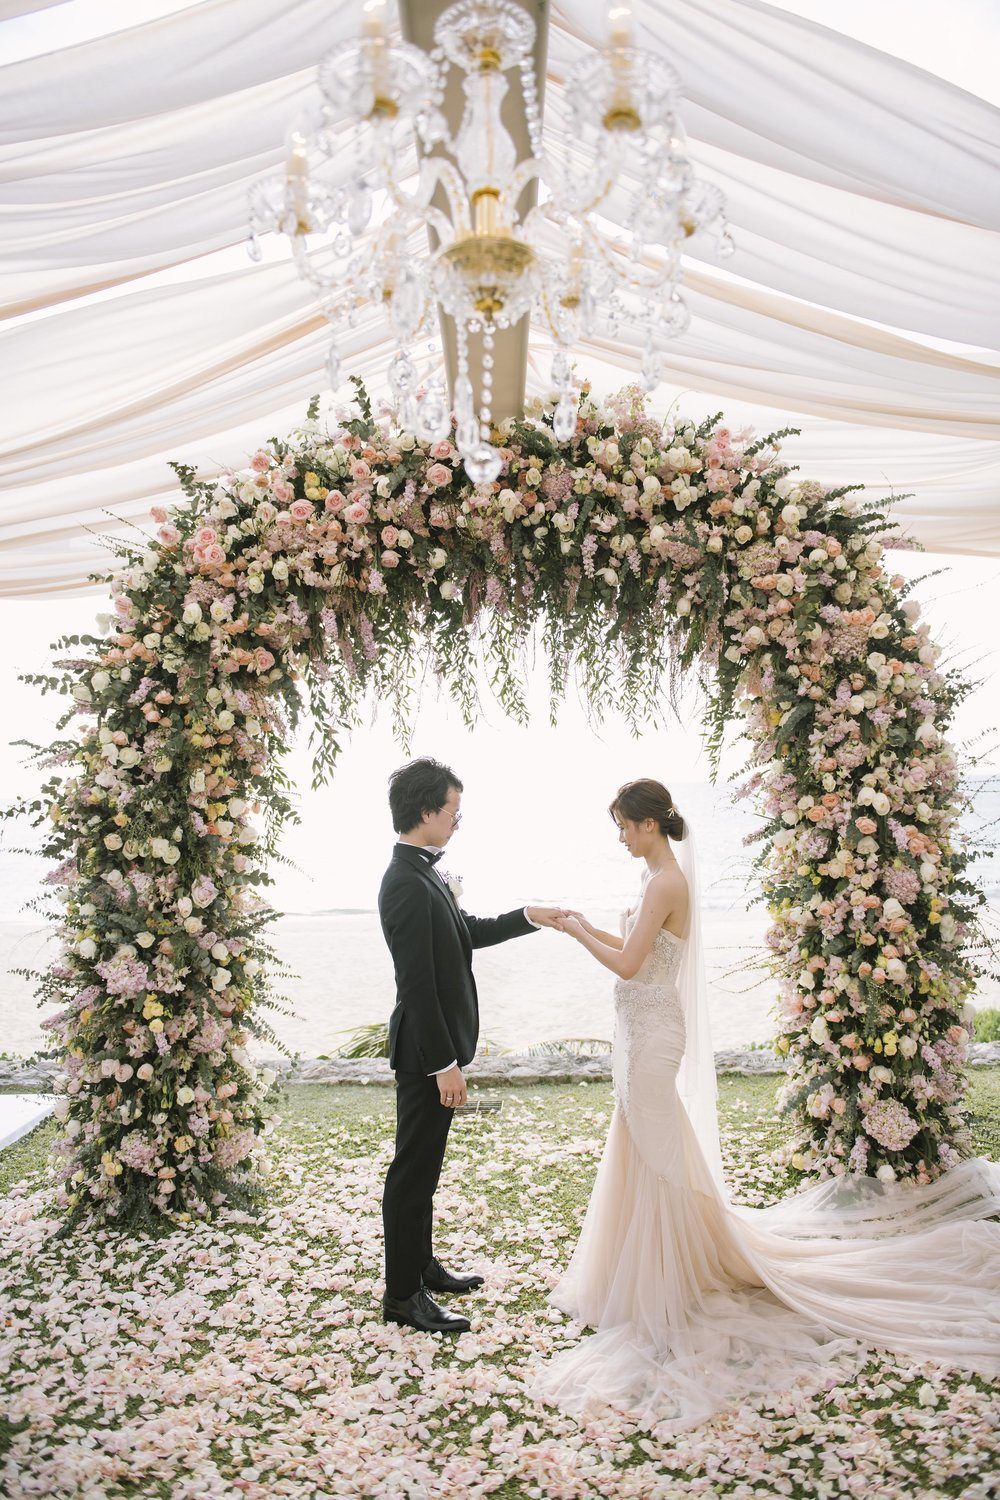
{"points": [[639, 550]]}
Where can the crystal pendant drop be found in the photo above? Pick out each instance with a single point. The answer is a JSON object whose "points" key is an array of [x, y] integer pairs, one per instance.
{"points": [[402, 374], [468, 435], [406, 306], [409, 413], [359, 210], [333, 367], [675, 317], [483, 464], [652, 372], [433, 423], [253, 248], [464, 397], [564, 420], [561, 371]]}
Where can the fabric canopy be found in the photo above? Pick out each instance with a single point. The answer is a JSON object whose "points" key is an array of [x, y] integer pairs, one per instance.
{"points": [[862, 304]]}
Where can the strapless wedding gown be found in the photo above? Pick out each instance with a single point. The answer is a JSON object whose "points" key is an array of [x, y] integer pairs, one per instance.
{"points": [[698, 1303]]}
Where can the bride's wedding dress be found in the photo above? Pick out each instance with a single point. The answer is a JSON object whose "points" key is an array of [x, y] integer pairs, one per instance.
{"points": [[698, 1303]]}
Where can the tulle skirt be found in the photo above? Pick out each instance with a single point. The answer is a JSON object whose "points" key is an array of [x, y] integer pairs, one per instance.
{"points": [[698, 1304]]}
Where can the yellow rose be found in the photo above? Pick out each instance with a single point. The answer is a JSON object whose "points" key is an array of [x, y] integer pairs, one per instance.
{"points": [[156, 1025], [933, 917]]}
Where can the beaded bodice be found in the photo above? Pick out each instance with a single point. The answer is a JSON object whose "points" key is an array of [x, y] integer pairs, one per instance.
{"points": [[651, 995]]}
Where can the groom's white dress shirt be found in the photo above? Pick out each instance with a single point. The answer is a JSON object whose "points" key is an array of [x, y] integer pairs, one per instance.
{"points": [[423, 849]]}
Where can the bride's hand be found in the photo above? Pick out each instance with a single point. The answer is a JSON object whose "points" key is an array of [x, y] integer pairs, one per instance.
{"points": [[572, 924]]}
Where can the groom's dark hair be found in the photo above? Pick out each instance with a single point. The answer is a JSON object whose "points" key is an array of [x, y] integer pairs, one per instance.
{"points": [[421, 786]]}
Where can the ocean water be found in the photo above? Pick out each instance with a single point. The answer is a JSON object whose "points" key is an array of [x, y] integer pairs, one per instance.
{"points": [[534, 989]]}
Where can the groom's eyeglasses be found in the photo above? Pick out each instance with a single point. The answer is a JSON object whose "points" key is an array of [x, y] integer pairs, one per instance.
{"points": [[456, 818]]}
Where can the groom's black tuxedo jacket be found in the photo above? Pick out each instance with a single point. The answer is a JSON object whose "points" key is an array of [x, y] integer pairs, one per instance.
{"points": [[431, 941]]}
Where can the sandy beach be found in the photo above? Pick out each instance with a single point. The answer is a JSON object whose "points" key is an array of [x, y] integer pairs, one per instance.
{"points": [[533, 989]]}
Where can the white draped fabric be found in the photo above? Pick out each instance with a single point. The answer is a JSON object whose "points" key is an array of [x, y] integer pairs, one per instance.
{"points": [[862, 304]]}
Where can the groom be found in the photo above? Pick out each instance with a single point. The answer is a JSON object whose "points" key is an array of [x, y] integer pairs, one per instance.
{"points": [[432, 1031]]}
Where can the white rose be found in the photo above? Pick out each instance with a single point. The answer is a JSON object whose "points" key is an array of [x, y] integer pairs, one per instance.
{"points": [[185, 906], [113, 841], [100, 680], [608, 575], [819, 1031], [129, 756], [158, 848], [892, 908], [405, 538], [714, 544], [237, 806], [449, 590], [885, 1173], [220, 952], [266, 1077], [256, 584], [226, 719], [172, 855], [743, 534], [279, 569], [683, 607], [790, 515], [881, 804], [438, 558], [192, 614], [651, 485], [145, 939], [81, 692], [906, 1046], [251, 966], [218, 610], [928, 872], [192, 925], [87, 948]]}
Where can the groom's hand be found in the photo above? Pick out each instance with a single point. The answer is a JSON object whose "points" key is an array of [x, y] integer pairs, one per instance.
{"points": [[452, 1088], [546, 916]]}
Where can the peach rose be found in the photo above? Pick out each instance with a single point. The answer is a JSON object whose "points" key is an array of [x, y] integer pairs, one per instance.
{"points": [[438, 476], [866, 825], [390, 559]]}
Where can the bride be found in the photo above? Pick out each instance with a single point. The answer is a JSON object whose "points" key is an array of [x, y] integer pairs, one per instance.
{"points": [[696, 1302]]}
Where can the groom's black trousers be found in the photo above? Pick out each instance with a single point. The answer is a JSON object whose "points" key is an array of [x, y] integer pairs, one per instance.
{"points": [[422, 1124]]}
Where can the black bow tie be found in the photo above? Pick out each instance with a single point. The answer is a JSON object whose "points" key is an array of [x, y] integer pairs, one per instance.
{"points": [[432, 855]]}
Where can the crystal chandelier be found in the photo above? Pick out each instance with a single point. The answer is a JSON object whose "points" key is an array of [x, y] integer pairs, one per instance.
{"points": [[384, 207]]}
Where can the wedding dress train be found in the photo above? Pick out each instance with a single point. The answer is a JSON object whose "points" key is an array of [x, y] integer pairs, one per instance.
{"points": [[698, 1303]]}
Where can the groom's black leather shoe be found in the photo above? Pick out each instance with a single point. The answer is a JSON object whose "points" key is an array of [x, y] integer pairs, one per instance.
{"points": [[421, 1311], [437, 1279]]}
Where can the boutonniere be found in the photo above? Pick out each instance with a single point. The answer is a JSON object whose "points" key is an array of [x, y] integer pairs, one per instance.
{"points": [[453, 882]]}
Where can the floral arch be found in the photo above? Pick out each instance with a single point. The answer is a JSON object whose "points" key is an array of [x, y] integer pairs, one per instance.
{"points": [[639, 551]]}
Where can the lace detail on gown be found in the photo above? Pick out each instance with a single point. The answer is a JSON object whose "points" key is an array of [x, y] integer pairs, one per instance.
{"points": [[698, 1304]]}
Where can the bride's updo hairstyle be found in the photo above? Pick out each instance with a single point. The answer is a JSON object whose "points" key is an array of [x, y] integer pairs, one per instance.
{"points": [[638, 800]]}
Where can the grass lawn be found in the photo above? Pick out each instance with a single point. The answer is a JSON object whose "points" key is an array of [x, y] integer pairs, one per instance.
{"points": [[248, 1357]]}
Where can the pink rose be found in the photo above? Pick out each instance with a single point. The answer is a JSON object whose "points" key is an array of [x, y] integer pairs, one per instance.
{"points": [[334, 500], [169, 535], [390, 559], [866, 825], [438, 476], [266, 512], [359, 469], [215, 555], [263, 659], [443, 449], [261, 462], [301, 510], [158, 513], [204, 535], [357, 513], [390, 536], [282, 491]]}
